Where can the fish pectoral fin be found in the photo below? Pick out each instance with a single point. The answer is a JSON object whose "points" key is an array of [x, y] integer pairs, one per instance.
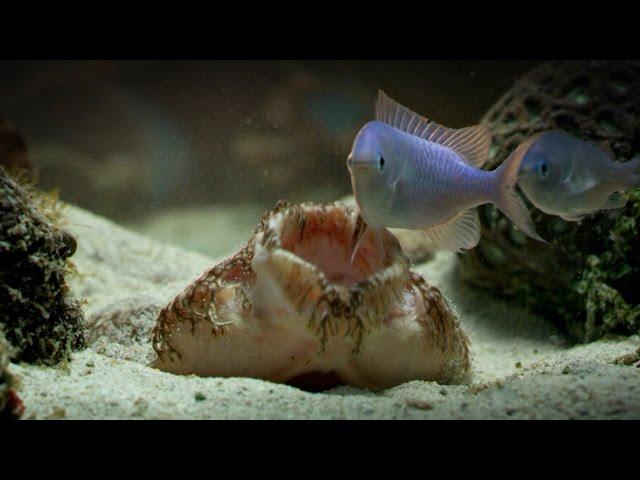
{"points": [[358, 244], [377, 241], [460, 232], [581, 185], [471, 143], [615, 200], [579, 180]]}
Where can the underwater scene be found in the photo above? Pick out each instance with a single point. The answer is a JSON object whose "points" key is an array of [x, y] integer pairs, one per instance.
{"points": [[319, 239]]}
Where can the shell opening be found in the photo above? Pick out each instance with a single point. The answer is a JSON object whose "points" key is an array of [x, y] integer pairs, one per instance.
{"points": [[326, 238]]}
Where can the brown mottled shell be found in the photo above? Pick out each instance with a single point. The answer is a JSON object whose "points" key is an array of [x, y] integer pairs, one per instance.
{"points": [[290, 303]]}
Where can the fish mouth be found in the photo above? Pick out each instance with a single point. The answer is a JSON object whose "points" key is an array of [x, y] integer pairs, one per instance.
{"points": [[360, 166], [353, 163]]}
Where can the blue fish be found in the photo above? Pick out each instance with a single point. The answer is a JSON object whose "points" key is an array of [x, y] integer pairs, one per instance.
{"points": [[409, 172], [568, 177]]}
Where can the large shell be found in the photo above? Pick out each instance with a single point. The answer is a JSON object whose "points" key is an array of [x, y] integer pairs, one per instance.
{"points": [[290, 304]]}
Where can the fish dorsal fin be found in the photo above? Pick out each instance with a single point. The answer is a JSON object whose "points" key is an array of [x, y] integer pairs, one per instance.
{"points": [[459, 232], [472, 143]]}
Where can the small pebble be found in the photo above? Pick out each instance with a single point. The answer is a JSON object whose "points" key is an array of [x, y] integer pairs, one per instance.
{"points": [[56, 414], [421, 404], [518, 365], [566, 370], [628, 359], [199, 397]]}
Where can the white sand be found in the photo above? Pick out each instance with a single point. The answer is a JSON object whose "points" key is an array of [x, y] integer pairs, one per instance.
{"points": [[126, 278], [199, 228]]}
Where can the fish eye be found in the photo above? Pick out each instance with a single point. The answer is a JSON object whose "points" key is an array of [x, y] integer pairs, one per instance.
{"points": [[381, 163], [542, 168]]}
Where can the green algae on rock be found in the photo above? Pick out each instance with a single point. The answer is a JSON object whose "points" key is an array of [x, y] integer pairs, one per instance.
{"points": [[586, 278], [42, 322]]}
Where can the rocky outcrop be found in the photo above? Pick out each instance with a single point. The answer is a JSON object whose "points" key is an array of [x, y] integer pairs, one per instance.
{"points": [[40, 319], [586, 278]]}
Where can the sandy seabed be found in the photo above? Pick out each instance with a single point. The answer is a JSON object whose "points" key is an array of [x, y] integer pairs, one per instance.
{"points": [[523, 367]]}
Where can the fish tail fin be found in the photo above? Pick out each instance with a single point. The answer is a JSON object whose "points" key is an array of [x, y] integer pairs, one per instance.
{"points": [[506, 197]]}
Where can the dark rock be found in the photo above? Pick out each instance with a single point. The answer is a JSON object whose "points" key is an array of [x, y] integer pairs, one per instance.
{"points": [[39, 318], [586, 279]]}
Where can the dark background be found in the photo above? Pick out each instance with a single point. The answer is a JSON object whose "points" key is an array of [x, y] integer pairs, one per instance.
{"points": [[126, 138]]}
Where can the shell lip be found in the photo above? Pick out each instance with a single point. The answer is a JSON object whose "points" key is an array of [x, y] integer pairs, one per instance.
{"points": [[297, 247], [394, 263]]}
